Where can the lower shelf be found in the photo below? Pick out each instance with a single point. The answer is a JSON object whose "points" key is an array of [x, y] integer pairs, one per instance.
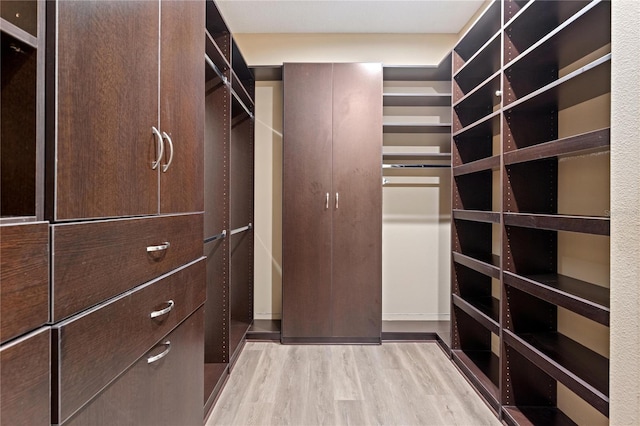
{"points": [[547, 416], [482, 368], [262, 330], [237, 333], [215, 374], [416, 330]]}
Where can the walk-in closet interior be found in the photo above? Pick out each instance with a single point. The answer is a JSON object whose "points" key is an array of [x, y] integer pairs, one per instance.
{"points": [[180, 181]]}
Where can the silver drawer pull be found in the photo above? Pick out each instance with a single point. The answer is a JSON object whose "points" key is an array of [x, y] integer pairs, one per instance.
{"points": [[161, 355], [161, 247], [156, 314]]}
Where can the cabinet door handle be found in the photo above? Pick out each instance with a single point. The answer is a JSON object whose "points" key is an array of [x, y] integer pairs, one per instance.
{"points": [[337, 200], [168, 138], [326, 204], [161, 247], [156, 314], [161, 355], [154, 165]]}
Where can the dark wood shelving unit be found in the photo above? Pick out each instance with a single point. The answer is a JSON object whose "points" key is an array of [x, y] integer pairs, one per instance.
{"points": [[482, 368], [583, 371], [478, 105], [486, 26], [488, 265], [416, 99], [595, 141], [416, 127], [581, 297], [485, 311], [228, 236], [477, 215], [525, 117], [556, 222], [484, 164], [535, 416]]}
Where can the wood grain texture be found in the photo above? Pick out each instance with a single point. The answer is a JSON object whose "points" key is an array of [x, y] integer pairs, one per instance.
{"points": [[182, 94], [357, 218], [24, 278], [97, 260], [393, 383], [107, 102], [307, 170], [97, 346], [26, 380], [241, 173], [172, 385]]}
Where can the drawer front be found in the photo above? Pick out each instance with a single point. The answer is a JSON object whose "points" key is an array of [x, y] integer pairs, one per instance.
{"points": [[98, 345], [168, 391], [98, 260], [25, 380], [24, 278]]}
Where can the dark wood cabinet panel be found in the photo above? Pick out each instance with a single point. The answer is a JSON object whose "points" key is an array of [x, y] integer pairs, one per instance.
{"points": [[357, 213], [98, 260], [25, 378], [306, 213], [332, 210], [24, 278], [241, 172], [96, 346], [165, 392], [104, 63], [182, 105]]}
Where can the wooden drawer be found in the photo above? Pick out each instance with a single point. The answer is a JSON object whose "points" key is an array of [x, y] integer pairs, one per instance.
{"points": [[96, 346], [24, 278], [25, 380], [168, 391], [95, 261]]}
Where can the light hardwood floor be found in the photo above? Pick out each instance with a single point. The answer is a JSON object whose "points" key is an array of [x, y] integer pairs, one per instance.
{"points": [[388, 384]]}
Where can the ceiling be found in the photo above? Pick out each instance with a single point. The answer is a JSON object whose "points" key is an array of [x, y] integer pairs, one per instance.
{"points": [[347, 16]]}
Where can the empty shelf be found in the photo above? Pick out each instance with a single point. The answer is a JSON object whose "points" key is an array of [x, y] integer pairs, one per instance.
{"points": [[483, 369], [485, 311], [416, 99], [477, 216], [489, 163], [556, 222], [485, 264], [416, 127], [547, 416]]}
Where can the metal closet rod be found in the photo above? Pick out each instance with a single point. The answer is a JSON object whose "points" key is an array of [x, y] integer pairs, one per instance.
{"points": [[215, 69], [244, 228], [227, 83], [219, 236]]}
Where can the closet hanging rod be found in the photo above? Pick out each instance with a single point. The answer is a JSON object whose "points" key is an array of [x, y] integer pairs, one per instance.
{"points": [[244, 228], [215, 69], [248, 111], [219, 236], [414, 166]]}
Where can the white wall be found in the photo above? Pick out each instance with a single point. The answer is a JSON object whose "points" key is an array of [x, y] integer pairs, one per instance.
{"points": [[625, 213]]}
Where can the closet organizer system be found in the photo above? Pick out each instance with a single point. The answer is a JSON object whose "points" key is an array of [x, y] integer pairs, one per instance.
{"points": [[530, 239], [103, 278], [228, 199]]}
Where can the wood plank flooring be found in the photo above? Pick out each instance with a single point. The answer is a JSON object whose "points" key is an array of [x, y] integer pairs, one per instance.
{"points": [[305, 385]]}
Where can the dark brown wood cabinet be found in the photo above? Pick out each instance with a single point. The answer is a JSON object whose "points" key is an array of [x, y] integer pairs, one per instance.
{"points": [[332, 213], [169, 372], [25, 380], [125, 112]]}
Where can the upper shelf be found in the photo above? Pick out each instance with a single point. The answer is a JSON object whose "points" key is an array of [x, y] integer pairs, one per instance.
{"points": [[417, 99], [440, 72], [487, 265], [416, 127], [18, 33], [486, 26]]}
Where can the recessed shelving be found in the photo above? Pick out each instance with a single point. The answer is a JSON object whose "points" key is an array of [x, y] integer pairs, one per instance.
{"points": [[556, 222], [389, 127], [476, 215], [549, 416], [488, 163], [486, 264], [485, 311], [416, 99]]}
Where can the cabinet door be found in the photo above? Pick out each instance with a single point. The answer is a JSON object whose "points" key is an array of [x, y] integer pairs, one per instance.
{"points": [[106, 70], [306, 214], [182, 105], [357, 215], [168, 391]]}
